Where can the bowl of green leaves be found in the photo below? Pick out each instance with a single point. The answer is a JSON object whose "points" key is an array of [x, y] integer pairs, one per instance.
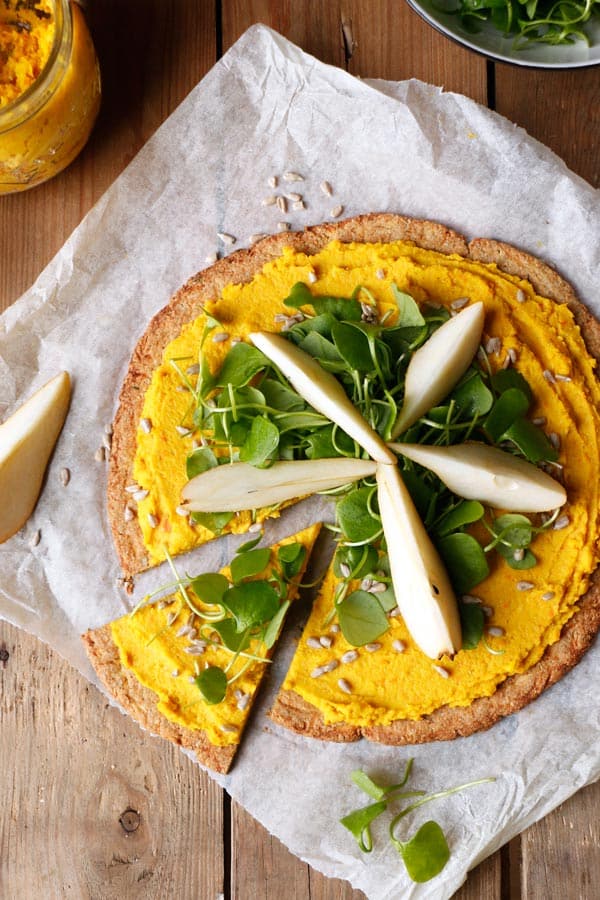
{"points": [[545, 34]]}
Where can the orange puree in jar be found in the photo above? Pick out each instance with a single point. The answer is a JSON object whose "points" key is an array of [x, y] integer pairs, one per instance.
{"points": [[49, 89]]}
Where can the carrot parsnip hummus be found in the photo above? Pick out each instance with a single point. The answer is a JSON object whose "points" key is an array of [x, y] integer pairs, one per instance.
{"points": [[396, 680]]}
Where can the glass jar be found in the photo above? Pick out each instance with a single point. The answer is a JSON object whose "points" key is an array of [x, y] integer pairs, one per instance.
{"points": [[43, 128]]}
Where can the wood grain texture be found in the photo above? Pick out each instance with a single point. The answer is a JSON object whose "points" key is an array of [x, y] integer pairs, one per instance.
{"points": [[78, 767]]}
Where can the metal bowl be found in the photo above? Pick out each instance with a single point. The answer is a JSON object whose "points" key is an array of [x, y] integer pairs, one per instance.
{"points": [[490, 42]]}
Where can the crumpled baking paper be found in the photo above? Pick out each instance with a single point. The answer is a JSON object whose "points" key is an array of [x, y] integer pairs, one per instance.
{"points": [[264, 109]]}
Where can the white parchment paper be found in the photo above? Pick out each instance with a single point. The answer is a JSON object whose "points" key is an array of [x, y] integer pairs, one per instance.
{"points": [[267, 108]]}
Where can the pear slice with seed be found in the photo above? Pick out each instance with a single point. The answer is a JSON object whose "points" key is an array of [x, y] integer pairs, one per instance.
{"points": [[437, 366], [421, 584], [479, 472], [27, 439], [322, 390], [239, 486]]}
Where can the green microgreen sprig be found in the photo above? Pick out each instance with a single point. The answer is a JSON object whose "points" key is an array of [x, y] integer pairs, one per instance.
{"points": [[427, 852], [531, 21]]}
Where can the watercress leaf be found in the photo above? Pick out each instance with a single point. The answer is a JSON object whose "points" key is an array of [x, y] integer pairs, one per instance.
{"points": [[249, 545], [320, 443], [473, 397], [366, 784], [212, 683], [280, 396], [249, 563], [241, 364], [199, 461], [238, 432], [291, 558], [426, 853], [338, 307], [510, 406], [260, 446], [251, 603], [358, 823], [361, 618], [274, 627], [319, 324], [513, 529], [299, 295], [408, 310], [353, 346], [360, 560], [210, 587], [464, 559], [472, 620], [320, 347], [504, 379], [214, 522], [354, 515], [527, 562], [420, 492], [300, 420], [232, 638], [531, 441], [465, 513]]}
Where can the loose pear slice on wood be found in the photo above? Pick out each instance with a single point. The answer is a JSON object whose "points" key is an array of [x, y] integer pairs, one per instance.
{"points": [[438, 365], [242, 486], [322, 390], [27, 439], [421, 584], [479, 472]]}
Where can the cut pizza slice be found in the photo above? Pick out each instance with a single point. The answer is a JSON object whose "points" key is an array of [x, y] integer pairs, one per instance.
{"points": [[188, 667]]}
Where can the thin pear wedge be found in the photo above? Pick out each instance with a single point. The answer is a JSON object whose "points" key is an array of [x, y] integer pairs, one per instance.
{"points": [[421, 584], [27, 439], [322, 390], [242, 486], [479, 472], [438, 365]]}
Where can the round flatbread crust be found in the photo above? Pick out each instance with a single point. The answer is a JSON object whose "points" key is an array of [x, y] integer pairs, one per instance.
{"points": [[290, 709]]}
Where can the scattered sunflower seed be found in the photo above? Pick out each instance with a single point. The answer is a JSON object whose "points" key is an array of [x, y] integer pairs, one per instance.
{"points": [[524, 585], [181, 511], [108, 429], [220, 337], [140, 495], [226, 238], [192, 679], [345, 570], [152, 520], [133, 488], [349, 656], [269, 201], [146, 425], [292, 176], [322, 670], [272, 181], [283, 226], [100, 454], [325, 641], [374, 647], [394, 613], [236, 340], [521, 298], [193, 369], [171, 617], [243, 702], [313, 642], [229, 729], [128, 514], [256, 526], [194, 650], [561, 523], [513, 355], [493, 345], [549, 595], [539, 420], [336, 212], [380, 274], [366, 584], [441, 671], [185, 629], [562, 377], [175, 673], [298, 205], [459, 303], [345, 686], [312, 277], [549, 376], [182, 388], [470, 598], [378, 587], [335, 629], [293, 198], [487, 611], [326, 188], [399, 646], [255, 238], [518, 554], [507, 361], [211, 259], [182, 430], [282, 204], [554, 439], [35, 538], [496, 631], [65, 477]]}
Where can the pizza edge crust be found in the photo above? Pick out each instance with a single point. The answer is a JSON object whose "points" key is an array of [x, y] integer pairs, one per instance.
{"points": [[140, 702]]}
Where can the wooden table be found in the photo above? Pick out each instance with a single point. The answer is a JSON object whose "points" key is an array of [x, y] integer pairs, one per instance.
{"points": [[92, 807]]}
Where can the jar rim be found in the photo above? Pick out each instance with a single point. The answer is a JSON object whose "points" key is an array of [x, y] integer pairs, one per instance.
{"points": [[29, 102]]}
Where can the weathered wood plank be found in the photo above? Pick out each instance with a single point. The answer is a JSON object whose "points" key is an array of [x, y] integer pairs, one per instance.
{"points": [[561, 109], [94, 807]]}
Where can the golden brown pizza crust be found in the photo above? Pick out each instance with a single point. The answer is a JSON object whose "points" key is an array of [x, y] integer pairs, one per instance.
{"points": [[187, 304], [140, 702]]}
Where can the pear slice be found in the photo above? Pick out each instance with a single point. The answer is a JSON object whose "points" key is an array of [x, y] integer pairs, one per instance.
{"points": [[479, 472], [27, 439], [421, 584], [438, 365], [242, 486], [322, 390]]}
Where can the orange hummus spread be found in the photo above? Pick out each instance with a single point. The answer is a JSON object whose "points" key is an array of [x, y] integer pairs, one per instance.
{"points": [[396, 680], [26, 40]]}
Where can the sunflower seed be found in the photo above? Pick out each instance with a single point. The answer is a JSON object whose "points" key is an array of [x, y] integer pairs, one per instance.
{"points": [[561, 523], [171, 618], [458, 304], [243, 702], [321, 670], [146, 425], [562, 377], [549, 595], [313, 642], [65, 477], [312, 277], [378, 587], [513, 355], [507, 361], [229, 729], [128, 514], [108, 429], [211, 259], [194, 369], [236, 340], [326, 188], [470, 598], [194, 650], [335, 629], [226, 238], [140, 495], [524, 585], [255, 238], [35, 538], [493, 345], [220, 337], [394, 613], [256, 526], [269, 201], [521, 298], [182, 430], [152, 520], [326, 641], [185, 629], [298, 205], [292, 176], [374, 647], [549, 376], [133, 488], [282, 204], [345, 686], [380, 274], [294, 198], [399, 646], [336, 211], [349, 656], [539, 420], [554, 439], [496, 631], [487, 611], [100, 454], [366, 584], [518, 554], [344, 570], [441, 671], [182, 388], [192, 679], [175, 673], [283, 226], [181, 511], [272, 181]]}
